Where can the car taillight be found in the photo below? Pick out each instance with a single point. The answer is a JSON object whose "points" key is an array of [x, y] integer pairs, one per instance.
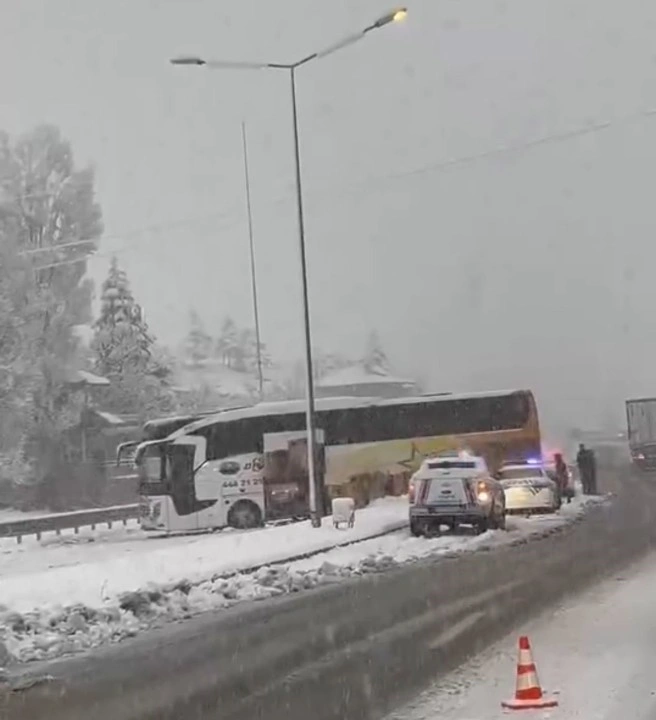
{"points": [[411, 492]]}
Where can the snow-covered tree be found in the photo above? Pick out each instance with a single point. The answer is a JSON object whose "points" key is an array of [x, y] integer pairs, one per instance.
{"points": [[19, 328], [325, 363], [375, 360], [51, 221], [227, 345], [121, 343], [125, 352], [198, 344], [246, 353]]}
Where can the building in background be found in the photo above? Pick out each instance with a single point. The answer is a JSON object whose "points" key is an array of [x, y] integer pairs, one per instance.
{"points": [[359, 381]]}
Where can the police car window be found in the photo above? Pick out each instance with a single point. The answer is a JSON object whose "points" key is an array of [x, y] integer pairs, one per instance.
{"points": [[452, 465]]}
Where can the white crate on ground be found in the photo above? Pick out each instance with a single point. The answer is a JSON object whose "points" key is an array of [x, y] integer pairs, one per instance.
{"points": [[343, 512]]}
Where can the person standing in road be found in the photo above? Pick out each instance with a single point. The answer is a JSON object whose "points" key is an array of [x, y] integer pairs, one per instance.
{"points": [[562, 477], [584, 466], [592, 460]]}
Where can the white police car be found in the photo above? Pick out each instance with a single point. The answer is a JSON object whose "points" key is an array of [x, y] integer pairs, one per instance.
{"points": [[455, 490], [528, 488]]}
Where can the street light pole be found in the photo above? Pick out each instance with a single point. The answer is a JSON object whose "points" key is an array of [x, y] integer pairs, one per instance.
{"points": [[256, 313], [392, 17], [315, 515]]}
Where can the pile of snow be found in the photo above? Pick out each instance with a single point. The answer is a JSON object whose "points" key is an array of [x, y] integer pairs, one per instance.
{"points": [[92, 573], [63, 610]]}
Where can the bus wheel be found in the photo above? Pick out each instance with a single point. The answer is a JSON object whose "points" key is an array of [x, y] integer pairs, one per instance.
{"points": [[244, 515], [416, 529]]}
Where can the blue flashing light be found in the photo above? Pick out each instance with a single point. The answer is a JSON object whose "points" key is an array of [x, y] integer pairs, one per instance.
{"points": [[533, 461]]}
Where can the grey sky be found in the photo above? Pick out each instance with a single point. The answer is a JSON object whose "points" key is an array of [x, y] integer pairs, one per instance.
{"points": [[537, 264]]}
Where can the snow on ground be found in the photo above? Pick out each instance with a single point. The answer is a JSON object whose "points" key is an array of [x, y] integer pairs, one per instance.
{"points": [[89, 573], [62, 599], [594, 654]]}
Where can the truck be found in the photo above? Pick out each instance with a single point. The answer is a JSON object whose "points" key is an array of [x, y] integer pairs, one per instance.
{"points": [[641, 428]]}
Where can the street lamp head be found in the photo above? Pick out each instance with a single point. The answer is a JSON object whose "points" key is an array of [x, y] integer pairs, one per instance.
{"points": [[397, 15], [188, 60]]}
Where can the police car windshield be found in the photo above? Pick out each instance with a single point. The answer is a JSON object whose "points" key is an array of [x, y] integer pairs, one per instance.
{"points": [[516, 473]]}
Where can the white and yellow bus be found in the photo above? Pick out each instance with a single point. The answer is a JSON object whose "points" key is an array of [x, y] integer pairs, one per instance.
{"points": [[244, 466]]}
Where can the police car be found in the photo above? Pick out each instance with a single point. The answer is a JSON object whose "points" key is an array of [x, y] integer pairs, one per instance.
{"points": [[455, 490], [528, 488]]}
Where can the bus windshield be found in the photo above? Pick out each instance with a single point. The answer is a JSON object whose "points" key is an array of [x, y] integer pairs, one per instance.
{"points": [[152, 470], [180, 473], [167, 469]]}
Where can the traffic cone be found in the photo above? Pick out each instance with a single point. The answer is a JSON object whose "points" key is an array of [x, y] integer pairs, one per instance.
{"points": [[528, 693]]}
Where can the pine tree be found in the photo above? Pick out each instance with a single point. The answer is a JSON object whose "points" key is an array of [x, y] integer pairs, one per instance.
{"points": [[122, 343], [327, 363], [198, 343], [126, 354], [227, 346], [375, 360], [248, 350]]}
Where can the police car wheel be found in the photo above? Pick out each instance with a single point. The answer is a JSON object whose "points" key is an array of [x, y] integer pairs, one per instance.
{"points": [[415, 529]]}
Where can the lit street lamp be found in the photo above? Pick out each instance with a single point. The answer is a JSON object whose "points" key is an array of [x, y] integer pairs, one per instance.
{"points": [[395, 16]]}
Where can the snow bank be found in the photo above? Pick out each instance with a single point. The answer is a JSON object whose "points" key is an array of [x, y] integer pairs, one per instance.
{"points": [[67, 609], [92, 573]]}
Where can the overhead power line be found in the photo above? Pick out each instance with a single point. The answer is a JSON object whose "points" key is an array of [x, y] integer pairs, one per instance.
{"points": [[144, 229], [366, 185]]}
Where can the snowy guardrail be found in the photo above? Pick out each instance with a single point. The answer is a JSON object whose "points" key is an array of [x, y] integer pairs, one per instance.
{"points": [[68, 521]]}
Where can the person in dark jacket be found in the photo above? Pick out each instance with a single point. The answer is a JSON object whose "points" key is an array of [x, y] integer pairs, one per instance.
{"points": [[592, 460], [584, 463]]}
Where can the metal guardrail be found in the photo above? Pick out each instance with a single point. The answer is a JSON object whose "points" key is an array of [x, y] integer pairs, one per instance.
{"points": [[68, 521]]}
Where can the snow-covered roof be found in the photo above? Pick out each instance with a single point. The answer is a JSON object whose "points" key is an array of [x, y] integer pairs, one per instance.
{"points": [[288, 407], [83, 377], [156, 422], [358, 375], [110, 418], [214, 374]]}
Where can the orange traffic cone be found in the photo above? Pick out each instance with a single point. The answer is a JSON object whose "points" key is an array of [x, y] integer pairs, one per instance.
{"points": [[528, 693]]}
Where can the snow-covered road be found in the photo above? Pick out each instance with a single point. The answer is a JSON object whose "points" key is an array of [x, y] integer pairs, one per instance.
{"points": [[595, 654], [61, 598]]}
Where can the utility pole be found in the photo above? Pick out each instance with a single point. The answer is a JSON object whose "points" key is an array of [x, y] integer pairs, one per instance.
{"points": [[256, 314]]}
